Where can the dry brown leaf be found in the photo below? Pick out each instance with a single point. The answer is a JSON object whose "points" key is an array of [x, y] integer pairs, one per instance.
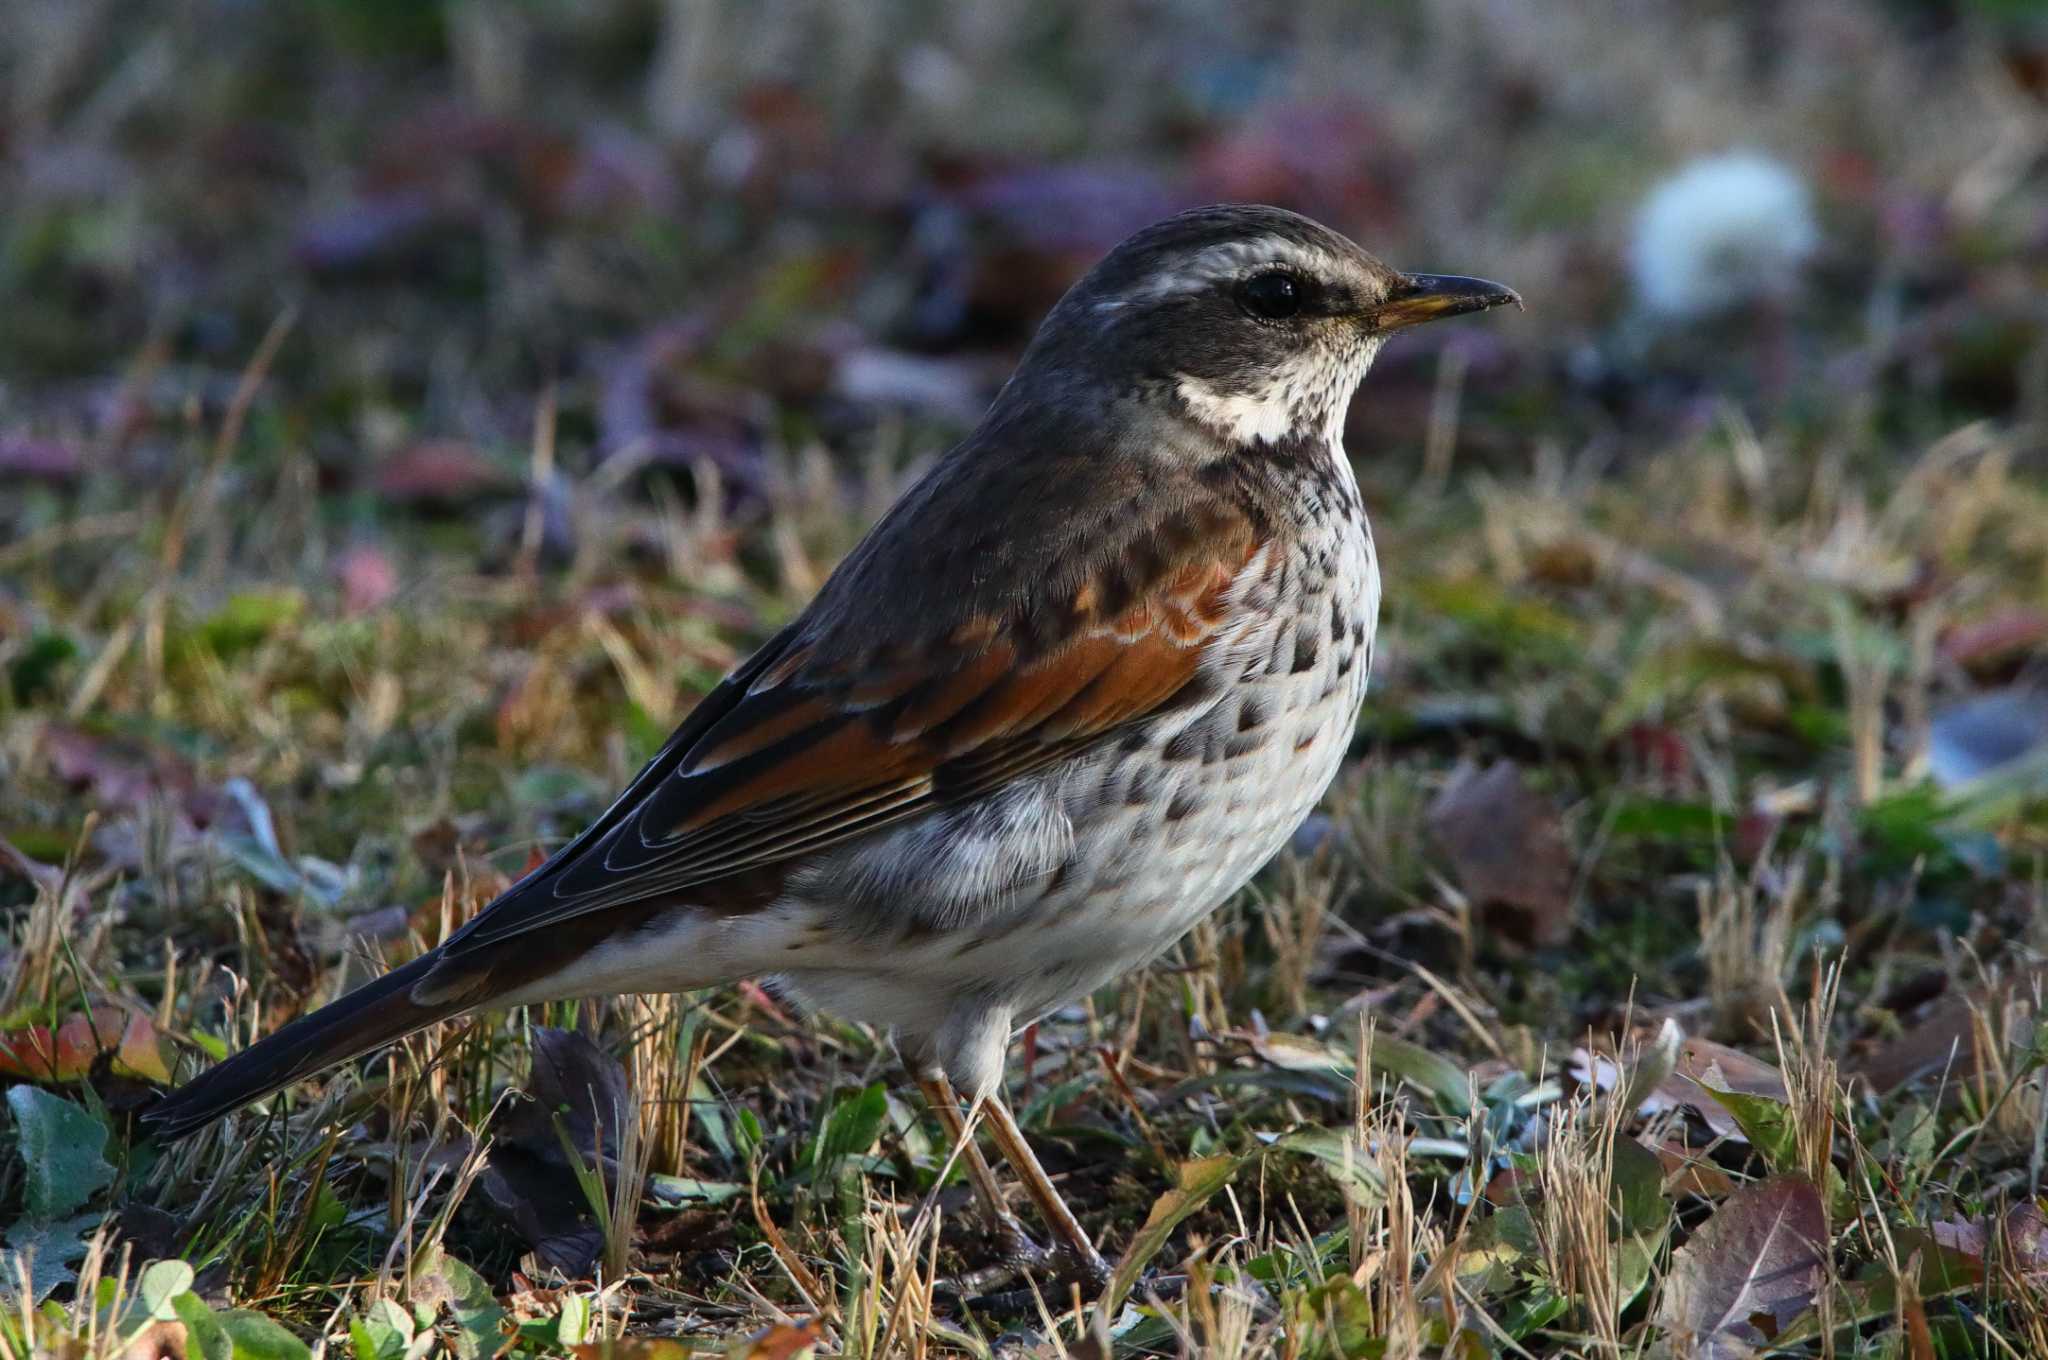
{"points": [[130, 1039], [1508, 851], [443, 472], [530, 1178], [1702, 1067], [2004, 636], [634, 1348], [1705, 1067], [1686, 1172], [163, 1339], [1944, 1041], [1750, 1269], [783, 1341], [2024, 1234]]}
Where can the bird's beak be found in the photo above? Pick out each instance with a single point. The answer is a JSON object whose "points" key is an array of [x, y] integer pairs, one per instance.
{"points": [[1427, 297]]}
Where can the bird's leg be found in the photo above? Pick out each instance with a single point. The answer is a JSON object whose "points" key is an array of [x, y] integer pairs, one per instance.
{"points": [[1015, 1242], [1084, 1263]]}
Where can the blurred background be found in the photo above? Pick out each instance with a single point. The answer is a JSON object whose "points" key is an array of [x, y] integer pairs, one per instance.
{"points": [[408, 409], [726, 233]]}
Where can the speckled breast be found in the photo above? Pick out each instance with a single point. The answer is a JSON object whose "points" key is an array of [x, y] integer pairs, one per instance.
{"points": [[1174, 819]]}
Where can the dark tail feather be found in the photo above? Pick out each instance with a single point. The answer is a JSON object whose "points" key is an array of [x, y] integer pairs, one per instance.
{"points": [[378, 1013]]}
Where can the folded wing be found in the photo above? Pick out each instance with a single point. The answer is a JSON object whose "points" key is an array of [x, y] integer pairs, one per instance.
{"points": [[814, 741]]}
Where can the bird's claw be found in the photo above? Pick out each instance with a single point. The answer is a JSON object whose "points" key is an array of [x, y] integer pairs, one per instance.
{"points": [[1016, 1246], [1083, 1266]]}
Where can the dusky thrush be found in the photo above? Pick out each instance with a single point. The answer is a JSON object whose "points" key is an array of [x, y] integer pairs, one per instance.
{"points": [[1077, 685]]}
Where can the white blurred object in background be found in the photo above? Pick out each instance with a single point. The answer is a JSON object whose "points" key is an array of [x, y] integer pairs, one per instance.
{"points": [[1723, 232]]}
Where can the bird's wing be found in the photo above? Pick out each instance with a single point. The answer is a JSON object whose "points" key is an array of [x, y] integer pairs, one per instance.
{"points": [[839, 727]]}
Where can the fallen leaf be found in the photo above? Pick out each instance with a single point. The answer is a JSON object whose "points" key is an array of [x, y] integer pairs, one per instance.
{"points": [[2020, 1236], [440, 473], [1669, 1077], [1987, 641], [1508, 850], [616, 171], [530, 1177], [1729, 1069], [1704, 1068], [1195, 1182], [61, 1146], [160, 1340], [656, 406], [1491, 1252], [121, 775], [1944, 1041], [145, 1231], [439, 1280], [50, 1249], [1919, 1337], [1641, 1207], [1876, 1294], [783, 1341], [1426, 1070], [130, 1039], [634, 1348], [1750, 1269], [1688, 1173]]}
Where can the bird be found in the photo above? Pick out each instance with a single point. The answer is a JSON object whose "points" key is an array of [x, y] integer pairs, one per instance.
{"points": [[1069, 693]]}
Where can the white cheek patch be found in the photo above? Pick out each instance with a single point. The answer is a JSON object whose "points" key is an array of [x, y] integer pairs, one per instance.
{"points": [[1306, 398], [1259, 416]]}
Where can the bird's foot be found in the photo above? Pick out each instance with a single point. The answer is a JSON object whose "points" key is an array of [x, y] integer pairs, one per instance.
{"points": [[1017, 1247], [1082, 1265]]}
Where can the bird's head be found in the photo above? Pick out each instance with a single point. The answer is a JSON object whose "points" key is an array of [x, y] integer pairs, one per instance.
{"points": [[1251, 323]]}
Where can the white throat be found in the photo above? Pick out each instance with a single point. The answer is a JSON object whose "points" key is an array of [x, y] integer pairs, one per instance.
{"points": [[1310, 396]]}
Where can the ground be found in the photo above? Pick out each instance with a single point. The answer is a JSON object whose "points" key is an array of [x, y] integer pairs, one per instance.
{"points": [[408, 411]]}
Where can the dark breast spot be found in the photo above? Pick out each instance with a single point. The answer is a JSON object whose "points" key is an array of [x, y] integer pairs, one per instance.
{"points": [[1306, 649], [1186, 744], [1242, 744]]}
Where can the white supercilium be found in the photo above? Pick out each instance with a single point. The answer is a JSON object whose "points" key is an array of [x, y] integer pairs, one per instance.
{"points": [[1722, 232]]}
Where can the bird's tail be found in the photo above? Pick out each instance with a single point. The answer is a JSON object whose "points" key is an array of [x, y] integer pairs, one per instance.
{"points": [[378, 1013]]}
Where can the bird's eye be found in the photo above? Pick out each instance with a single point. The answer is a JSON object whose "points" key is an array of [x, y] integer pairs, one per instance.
{"points": [[1272, 296]]}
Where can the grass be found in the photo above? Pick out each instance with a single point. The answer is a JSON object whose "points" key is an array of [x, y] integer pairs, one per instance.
{"points": [[1638, 988]]}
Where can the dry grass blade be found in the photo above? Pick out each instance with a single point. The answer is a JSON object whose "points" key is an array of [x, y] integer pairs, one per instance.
{"points": [[1575, 1219]]}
